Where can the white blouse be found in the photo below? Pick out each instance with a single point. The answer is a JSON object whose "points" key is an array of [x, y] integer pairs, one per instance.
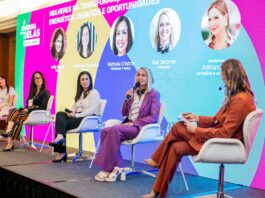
{"points": [[135, 108], [4, 95], [87, 106]]}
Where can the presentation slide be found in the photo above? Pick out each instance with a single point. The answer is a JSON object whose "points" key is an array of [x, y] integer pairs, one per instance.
{"points": [[175, 39]]}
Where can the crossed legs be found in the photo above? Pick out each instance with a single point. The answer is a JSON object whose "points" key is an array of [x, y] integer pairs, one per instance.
{"points": [[168, 155]]}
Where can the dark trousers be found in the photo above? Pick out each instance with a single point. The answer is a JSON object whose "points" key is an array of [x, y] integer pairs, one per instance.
{"points": [[64, 123]]}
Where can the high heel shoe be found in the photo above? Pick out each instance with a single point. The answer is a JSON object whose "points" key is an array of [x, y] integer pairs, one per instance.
{"points": [[8, 134], [9, 149], [124, 173], [112, 177], [64, 159], [61, 141], [101, 176]]}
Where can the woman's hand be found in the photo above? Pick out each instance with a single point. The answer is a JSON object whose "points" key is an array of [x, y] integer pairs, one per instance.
{"points": [[191, 117], [71, 115], [129, 124], [32, 107], [190, 127], [129, 93], [25, 110]]}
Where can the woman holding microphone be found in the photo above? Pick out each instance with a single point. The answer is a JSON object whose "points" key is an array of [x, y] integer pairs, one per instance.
{"points": [[140, 108]]}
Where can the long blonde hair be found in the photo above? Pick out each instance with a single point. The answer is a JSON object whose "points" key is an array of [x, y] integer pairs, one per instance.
{"points": [[150, 79], [172, 38]]}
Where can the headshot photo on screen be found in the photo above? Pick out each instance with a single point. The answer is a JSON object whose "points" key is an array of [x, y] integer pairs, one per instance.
{"points": [[220, 24], [58, 44], [165, 30], [86, 40], [121, 36]]}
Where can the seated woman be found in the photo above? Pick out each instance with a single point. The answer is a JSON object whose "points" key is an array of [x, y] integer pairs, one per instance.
{"points": [[37, 100], [141, 109], [87, 102], [7, 93], [185, 138]]}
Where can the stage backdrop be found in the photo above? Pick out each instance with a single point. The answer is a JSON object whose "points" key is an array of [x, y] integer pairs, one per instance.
{"points": [[186, 72]]}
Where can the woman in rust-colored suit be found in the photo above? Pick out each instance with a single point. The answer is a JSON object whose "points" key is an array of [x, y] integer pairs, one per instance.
{"points": [[185, 138]]}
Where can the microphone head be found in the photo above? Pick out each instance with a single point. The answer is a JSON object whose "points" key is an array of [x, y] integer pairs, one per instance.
{"points": [[137, 84]]}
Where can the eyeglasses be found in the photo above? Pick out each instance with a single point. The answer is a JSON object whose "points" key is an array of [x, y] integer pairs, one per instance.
{"points": [[37, 78]]}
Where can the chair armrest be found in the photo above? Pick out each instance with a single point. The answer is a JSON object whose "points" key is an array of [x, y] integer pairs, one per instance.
{"points": [[5, 111], [149, 133], [7, 108], [112, 122], [88, 124], [222, 150], [37, 117]]}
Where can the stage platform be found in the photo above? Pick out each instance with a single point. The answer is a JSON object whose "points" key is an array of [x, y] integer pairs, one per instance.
{"points": [[77, 180]]}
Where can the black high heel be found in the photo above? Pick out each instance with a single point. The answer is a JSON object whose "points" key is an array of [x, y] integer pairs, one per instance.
{"points": [[8, 134], [61, 141], [64, 159], [9, 149]]}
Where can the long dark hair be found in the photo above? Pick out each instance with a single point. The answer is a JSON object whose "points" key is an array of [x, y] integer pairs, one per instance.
{"points": [[7, 85], [79, 88], [33, 87], [130, 38], [236, 79], [80, 45], [60, 54]]}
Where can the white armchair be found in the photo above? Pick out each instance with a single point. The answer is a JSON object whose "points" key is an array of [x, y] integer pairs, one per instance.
{"points": [[89, 124], [38, 117], [230, 151], [148, 134]]}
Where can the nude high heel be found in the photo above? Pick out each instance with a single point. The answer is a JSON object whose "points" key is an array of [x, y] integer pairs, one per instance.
{"points": [[112, 177]]}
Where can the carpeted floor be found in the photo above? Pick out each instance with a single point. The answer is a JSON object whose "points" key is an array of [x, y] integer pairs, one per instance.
{"points": [[78, 179]]}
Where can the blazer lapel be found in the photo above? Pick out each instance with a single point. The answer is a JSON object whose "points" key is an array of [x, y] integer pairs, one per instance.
{"points": [[144, 104]]}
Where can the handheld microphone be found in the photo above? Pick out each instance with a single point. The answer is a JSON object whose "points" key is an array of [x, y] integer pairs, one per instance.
{"points": [[136, 86]]}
